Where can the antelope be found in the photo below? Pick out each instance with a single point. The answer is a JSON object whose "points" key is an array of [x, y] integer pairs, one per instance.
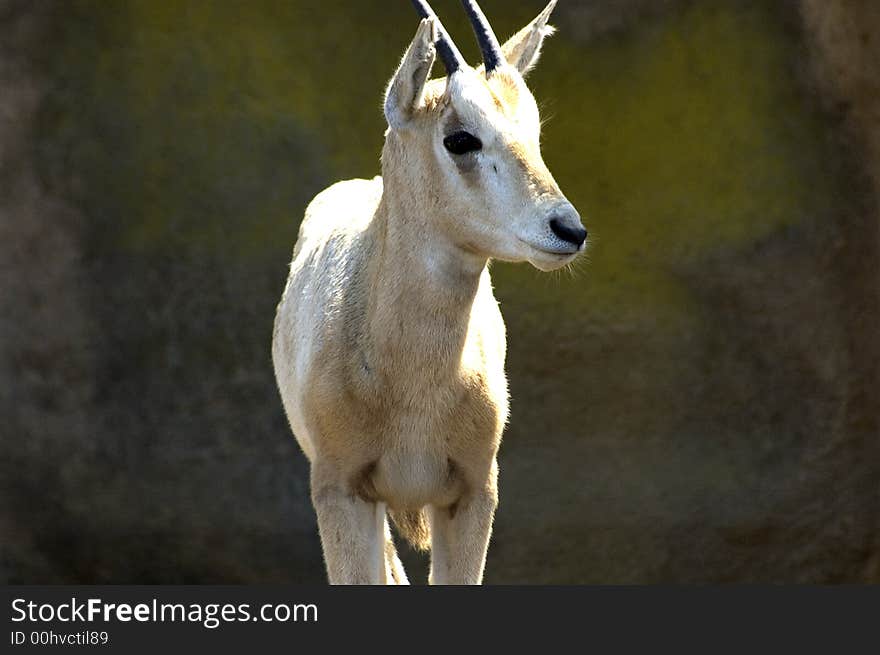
{"points": [[388, 343]]}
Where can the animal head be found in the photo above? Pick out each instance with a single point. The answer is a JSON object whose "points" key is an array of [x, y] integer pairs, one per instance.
{"points": [[468, 145]]}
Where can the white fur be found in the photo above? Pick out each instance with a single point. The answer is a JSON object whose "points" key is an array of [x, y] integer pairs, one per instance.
{"points": [[389, 345]]}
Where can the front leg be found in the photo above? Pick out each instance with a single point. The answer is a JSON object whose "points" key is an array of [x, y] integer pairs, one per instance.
{"points": [[352, 530], [460, 535]]}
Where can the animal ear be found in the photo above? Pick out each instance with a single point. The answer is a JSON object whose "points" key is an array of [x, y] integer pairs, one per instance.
{"points": [[523, 48], [406, 89]]}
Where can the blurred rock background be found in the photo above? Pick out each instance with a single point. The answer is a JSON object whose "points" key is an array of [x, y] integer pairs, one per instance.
{"points": [[698, 402]]}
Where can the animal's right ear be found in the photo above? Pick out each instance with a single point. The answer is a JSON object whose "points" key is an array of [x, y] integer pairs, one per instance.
{"points": [[523, 48], [405, 92]]}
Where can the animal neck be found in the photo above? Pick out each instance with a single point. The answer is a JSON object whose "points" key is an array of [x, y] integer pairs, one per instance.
{"points": [[423, 288]]}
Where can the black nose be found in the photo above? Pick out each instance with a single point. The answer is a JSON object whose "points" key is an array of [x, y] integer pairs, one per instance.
{"points": [[568, 228]]}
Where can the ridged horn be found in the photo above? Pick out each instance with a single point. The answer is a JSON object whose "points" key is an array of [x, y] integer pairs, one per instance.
{"points": [[493, 57], [449, 54]]}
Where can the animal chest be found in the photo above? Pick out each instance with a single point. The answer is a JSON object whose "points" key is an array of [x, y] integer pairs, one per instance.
{"points": [[428, 444]]}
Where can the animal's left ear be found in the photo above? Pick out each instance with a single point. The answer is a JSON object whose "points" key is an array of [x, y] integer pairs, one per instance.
{"points": [[523, 48], [405, 91]]}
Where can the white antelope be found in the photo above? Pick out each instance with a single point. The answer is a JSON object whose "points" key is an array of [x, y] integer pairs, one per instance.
{"points": [[388, 344]]}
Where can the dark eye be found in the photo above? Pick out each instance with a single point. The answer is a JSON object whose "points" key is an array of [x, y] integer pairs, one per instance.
{"points": [[460, 143]]}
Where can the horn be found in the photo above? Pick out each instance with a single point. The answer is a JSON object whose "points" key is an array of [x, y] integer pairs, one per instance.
{"points": [[493, 57], [450, 55]]}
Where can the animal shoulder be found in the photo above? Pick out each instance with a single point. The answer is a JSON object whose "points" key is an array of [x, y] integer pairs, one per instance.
{"points": [[344, 207]]}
